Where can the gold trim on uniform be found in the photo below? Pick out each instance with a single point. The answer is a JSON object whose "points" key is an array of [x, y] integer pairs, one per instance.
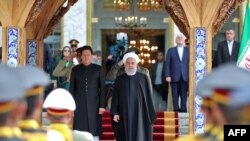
{"points": [[57, 112], [7, 106], [245, 115], [218, 133], [32, 136], [63, 129], [207, 102], [9, 132], [35, 136], [35, 91], [221, 96], [28, 136], [208, 127], [28, 124]]}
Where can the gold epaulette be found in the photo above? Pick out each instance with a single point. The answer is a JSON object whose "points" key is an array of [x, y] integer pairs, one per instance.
{"points": [[64, 129], [35, 91], [9, 132]]}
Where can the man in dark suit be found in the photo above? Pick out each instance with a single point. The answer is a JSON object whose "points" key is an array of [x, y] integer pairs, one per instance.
{"points": [[177, 73], [227, 50], [157, 74], [214, 58], [48, 58], [87, 86]]}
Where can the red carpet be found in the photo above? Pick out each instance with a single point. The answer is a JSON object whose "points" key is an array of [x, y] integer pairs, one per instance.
{"points": [[165, 127]]}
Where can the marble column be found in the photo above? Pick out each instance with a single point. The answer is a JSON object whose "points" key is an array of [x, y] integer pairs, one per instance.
{"points": [[75, 24]]}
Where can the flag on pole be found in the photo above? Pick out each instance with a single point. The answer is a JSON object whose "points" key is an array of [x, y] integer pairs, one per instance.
{"points": [[244, 52]]}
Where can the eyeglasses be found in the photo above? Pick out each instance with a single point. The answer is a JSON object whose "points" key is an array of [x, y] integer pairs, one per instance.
{"points": [[66, 50], [73, 45]]}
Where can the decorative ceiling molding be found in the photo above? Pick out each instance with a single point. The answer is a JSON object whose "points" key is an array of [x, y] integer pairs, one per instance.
{"points": [[36, 10], [55, 20], [176, 12], [225, 10], [72, 2], [58, 16]]}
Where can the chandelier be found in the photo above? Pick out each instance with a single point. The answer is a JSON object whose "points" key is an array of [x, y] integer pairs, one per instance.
{"points": [[122, 5], [143, 5], [131, 21], [146, 5], [146, 51]]}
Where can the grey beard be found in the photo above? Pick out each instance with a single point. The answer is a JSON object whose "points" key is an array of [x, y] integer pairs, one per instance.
{"points": [[130, 71]]}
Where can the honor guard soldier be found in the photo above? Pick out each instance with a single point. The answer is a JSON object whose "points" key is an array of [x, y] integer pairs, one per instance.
{"points": [[60, 106], [35, 81], [220, 91], [221, 84], [74, 45], [241, 99], [12, 104]]}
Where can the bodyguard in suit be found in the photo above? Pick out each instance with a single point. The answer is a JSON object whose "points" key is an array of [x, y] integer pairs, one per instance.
{"points": [[177, 73], [227, 50], [158, 77]]}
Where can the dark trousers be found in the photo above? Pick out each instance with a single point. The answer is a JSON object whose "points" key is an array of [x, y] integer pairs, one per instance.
{"points": [[162, 90], [179, 89]]}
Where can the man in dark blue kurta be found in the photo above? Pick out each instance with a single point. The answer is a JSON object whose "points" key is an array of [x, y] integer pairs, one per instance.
{"points": [[132, 105], [87, 87]]}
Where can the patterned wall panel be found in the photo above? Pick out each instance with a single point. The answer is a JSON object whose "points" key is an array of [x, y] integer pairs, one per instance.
{"points": [[74, 24], [32, 52], [12, 46], [200, 72]]}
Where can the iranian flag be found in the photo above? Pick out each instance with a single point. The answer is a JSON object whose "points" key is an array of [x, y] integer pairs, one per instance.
{"points": [[244, 52]]}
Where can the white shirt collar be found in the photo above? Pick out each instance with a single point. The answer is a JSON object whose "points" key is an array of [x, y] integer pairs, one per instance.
{"points": [[180, 51]]}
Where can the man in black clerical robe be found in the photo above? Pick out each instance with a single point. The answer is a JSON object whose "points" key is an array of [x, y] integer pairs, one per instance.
{"points": [[132, 106]]}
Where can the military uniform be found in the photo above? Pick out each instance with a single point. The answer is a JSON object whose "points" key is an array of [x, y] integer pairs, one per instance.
{"points": [[224, 86], [10, 134], [60, 103], [34, 81], [11, 90], [242, 97], [32, 131], [74, 44]]}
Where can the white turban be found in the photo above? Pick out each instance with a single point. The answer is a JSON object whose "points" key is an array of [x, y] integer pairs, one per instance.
{"points": [[130, 55]]}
